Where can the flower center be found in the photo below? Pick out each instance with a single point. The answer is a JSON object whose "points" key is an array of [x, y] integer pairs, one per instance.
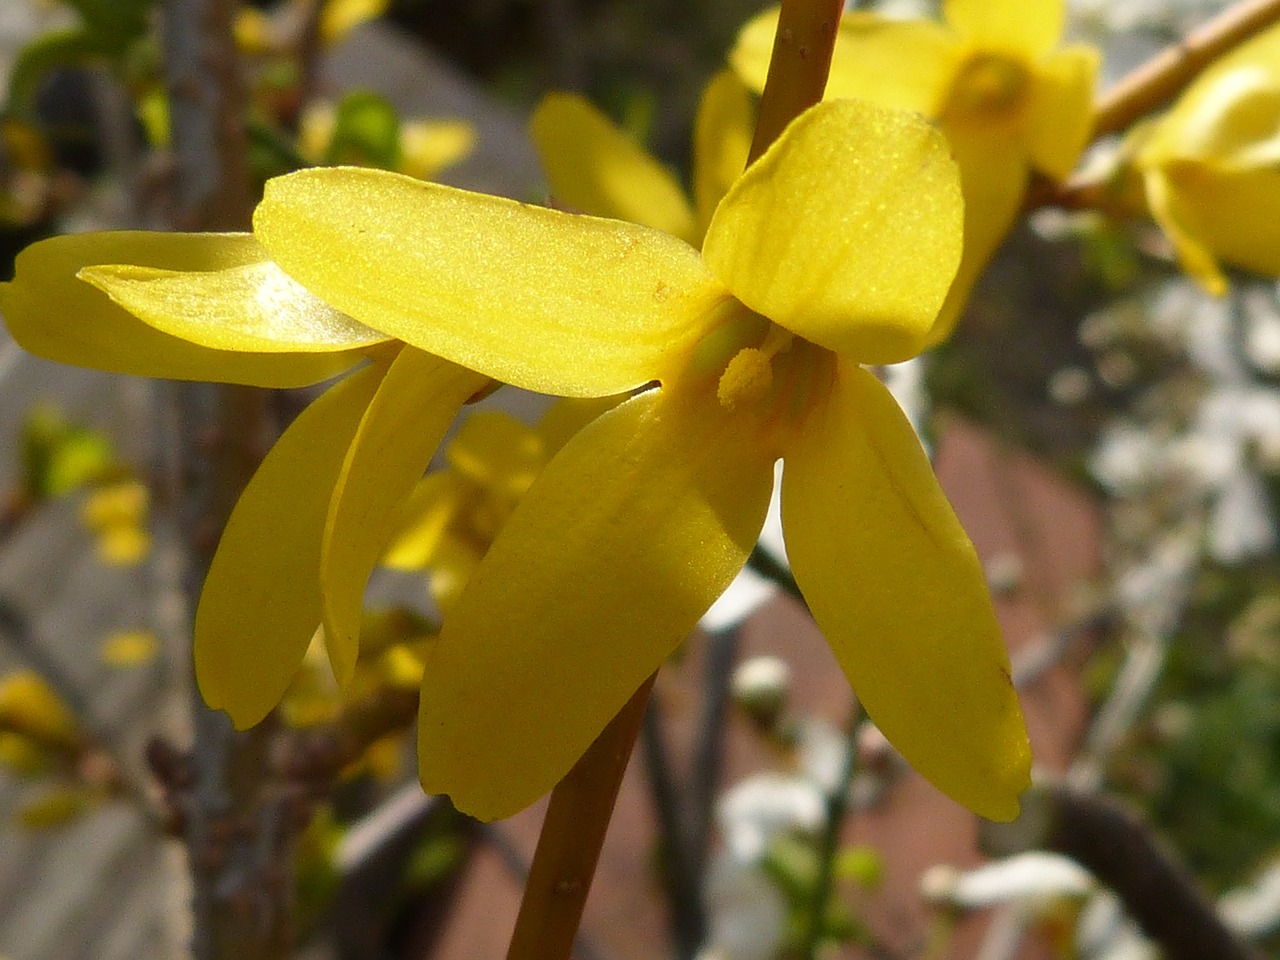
{"points": [[749, 374], [987, 84]]}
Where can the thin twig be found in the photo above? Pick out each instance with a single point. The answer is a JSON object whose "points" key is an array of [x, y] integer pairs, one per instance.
{"points": [[1157, 81], [572, 835], [798, 67]]}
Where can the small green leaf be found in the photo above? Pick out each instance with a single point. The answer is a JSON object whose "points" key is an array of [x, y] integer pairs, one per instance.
{"points": [[366, 132]]}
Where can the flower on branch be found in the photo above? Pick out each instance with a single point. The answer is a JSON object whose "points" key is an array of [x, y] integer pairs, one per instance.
{"points": [[992, 77], [835, 249], [1210, 167]]}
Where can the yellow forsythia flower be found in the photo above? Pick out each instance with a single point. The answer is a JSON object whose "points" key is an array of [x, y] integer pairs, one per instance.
{"points": [[645, 516], [1211, 165], [991, 75], [117, 514], [743, 353], [30, 708]]}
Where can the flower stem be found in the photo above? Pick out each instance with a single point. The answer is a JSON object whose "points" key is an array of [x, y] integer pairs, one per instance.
{"points": [[837, 806], [798, 68], [1159, 79], [571, 837]]}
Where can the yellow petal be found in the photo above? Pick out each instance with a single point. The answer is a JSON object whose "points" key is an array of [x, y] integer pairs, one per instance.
{"points": [[54, 315], [896, 587], [497, 452], [993, 176], [593, 167], [1234, 214], [396, 439], [1185, 231], [1029, 27], [261, 600], [564, 418], [905, 64], [628, 536], [721, 141], [1060, 111], [254, 308], [541, 299], [847, 231], [424, 518]]}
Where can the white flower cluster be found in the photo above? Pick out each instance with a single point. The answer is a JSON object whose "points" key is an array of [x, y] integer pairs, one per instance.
{"points": [[1207, 448]]}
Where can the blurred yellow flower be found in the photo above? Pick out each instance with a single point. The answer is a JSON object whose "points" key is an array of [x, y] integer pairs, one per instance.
{"points": [[117, 514], [454, 513], [1211, 165], [281, 28], [993, 79], [643, 518], [130, 648], [594, 167], [31, 708]]}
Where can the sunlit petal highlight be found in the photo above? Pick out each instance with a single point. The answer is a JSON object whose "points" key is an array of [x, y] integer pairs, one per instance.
{"points": [[87, 329], [847, 231], [554, 302]]}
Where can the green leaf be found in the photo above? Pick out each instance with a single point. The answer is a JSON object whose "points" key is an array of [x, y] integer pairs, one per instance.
{"points": [[366, 132], [58, 457]]}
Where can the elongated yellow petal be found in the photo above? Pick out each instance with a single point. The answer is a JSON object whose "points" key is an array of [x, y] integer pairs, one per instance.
{"points": [[1183, 228], [847, 231], [400, 431], [261, 601], [254, 308], [905, 64], [541, 299], [721, 141], [595, 168], [1060, 110], [896, 587], [1029, 27], [993, 176], [619, 547], [54, 315], [1239, 214]]}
